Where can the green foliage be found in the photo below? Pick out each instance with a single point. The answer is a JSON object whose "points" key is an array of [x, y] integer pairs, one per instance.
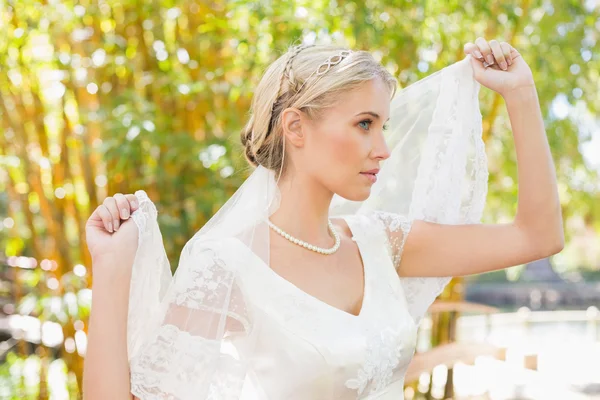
{"points": [[149, 88], [117, 96]]}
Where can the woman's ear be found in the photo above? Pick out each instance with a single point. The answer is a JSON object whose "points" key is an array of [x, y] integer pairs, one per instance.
{"points": [[292, 124]]}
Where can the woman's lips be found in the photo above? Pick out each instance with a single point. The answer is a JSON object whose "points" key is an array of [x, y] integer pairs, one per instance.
{"points": [[371, 177]]}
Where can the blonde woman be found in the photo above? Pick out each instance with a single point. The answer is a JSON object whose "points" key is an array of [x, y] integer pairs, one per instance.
{"points": [[311, 281]]}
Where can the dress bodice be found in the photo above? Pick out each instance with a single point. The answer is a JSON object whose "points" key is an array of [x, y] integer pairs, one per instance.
{"points": [[293, 345], [308, 349]]}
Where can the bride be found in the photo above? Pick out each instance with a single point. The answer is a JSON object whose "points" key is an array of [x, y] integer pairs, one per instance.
{"points": [[311, 281]]}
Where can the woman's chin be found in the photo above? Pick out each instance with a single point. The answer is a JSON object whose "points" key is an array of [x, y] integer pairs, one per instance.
{"points": [[365, 195], [360, 194]]}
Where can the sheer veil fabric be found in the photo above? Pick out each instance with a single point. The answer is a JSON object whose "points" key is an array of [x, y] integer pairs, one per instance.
{"points": [[180, 328]]}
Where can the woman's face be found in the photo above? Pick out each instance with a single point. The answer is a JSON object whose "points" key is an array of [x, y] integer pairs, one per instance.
{"points": [[347, 141]]}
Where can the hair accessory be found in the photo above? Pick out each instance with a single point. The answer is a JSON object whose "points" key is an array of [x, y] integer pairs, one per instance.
{"points": [[327, 65], [288, 64]]}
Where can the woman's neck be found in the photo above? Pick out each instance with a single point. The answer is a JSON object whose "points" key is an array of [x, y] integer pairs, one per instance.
{"points": [[304, 210]]}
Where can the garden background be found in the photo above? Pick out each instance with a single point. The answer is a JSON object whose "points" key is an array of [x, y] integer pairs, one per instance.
{"points": [[100, 97]]}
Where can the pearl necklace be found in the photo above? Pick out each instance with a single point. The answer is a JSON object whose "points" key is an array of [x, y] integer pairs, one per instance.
{"points": [[309, 246]]}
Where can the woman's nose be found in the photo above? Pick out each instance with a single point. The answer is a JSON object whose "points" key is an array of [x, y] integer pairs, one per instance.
{"points": [[380, 148]]}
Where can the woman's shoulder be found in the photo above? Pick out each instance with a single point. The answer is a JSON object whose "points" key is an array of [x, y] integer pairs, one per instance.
{"points": [[341, 226], [360, 225]]}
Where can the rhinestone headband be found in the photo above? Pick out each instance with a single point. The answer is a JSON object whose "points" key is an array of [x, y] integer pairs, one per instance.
{"points": [[322, 69], [327, 65]]}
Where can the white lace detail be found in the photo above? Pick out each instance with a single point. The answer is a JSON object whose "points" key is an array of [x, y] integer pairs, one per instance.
{"points": [[174, 353], [205, 288], [398, 228], [150, 275], [421, 292], [190, 359], [181, 356], [383, 353], [185, 358], [452, 183], [146, 210]]}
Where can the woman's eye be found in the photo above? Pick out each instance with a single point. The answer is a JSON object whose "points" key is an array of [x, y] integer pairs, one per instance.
{"points": [[366, 121], [366, 124]]}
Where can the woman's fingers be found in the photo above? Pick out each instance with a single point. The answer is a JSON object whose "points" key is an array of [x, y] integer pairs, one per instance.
{"points": [[116, 208], [507, 50], [106, 217], [485, 50], [514, 53], [111, 204], [123, 205], [471, 48], [498, 54], [133, 202]]}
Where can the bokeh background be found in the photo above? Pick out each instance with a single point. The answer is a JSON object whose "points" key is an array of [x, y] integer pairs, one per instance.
{"points": [[99, 97]]}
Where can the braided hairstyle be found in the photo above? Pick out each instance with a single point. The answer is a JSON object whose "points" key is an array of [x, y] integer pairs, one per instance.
{"points": [[255, 152], [290, 82]]}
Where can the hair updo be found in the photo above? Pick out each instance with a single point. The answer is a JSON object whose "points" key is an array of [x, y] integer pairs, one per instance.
{"points": [[290, 82]]}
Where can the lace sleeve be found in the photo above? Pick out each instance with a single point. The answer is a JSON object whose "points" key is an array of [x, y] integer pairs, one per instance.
{"points": [[397, 229], [420, 292], [186, 354], [179, 327], [150, 275]]}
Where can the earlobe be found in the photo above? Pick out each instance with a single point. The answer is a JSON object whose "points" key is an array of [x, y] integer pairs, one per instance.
{"points": [[291, 120]]}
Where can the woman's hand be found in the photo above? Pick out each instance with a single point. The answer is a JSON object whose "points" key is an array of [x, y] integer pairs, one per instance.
{"points": [[499, 66], [110, 234]]}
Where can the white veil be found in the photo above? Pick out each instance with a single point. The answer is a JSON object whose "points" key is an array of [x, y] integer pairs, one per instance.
{"points": [[180, 329]]}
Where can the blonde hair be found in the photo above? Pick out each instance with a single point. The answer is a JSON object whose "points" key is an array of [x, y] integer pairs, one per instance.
{"points": [[291, 81]]}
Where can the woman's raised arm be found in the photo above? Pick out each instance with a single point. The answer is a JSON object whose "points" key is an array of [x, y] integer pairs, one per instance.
{"points": [[537, 229]]}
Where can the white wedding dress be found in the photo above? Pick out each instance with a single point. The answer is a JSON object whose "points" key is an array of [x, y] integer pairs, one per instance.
{"points": [[303, 347], [227, 327]]}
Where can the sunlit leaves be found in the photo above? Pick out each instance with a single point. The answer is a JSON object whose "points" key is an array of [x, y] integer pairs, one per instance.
{"points": [[129, 95]]}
